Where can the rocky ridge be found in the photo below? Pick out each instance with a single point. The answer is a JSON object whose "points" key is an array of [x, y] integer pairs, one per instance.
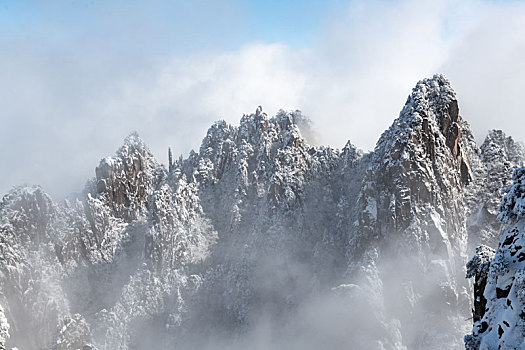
{"points": [[261, 228]]}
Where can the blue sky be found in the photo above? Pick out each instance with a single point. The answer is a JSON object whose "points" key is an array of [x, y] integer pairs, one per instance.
{"points": [[169, 26], [77, 76]]}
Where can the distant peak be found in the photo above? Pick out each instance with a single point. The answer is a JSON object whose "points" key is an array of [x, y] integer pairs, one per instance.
{"points": [[439, 79], [259, 118], [286, 124], [349, 146], [133, 139], [26, 191], [496, 139], [496, 134], [499, 137], [499, 146], [30, 199], [133, 144], [134, 153]]}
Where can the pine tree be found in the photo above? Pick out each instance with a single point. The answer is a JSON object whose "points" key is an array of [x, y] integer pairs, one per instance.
{"points": [[170, 160]]}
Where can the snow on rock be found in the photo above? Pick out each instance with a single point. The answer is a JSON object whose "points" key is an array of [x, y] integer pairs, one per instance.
{"points": [[260, 228], [478, 267], [4, 329], [28, 209], [500, 281], [496, 160], [513, 204], [74, 333], [125, 181], [411, 210]]}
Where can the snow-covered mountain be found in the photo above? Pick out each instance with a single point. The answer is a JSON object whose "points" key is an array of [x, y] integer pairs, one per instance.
{"points": [[499, 313], [261, 240]]}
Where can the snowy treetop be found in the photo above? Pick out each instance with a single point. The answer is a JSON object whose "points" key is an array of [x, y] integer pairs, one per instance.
{"points": [[513, 204], [480, 263]]}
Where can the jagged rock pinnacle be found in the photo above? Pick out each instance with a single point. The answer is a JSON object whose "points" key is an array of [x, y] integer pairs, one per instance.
{"points": [[259, 221], [125, 181]]}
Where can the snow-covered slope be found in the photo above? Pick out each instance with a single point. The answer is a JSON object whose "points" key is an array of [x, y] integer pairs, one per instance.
{"points": [[261, 240], [500, 278], [498, 157]]}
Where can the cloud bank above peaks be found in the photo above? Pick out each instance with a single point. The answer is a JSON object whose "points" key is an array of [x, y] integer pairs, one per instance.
{"points": [[70, 100]]}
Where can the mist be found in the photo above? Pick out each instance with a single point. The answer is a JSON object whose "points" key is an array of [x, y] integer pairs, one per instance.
{"points": [[259, 241], [293, 307], [264, 238]]}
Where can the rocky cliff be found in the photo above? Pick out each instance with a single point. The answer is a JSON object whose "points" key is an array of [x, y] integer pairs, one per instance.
{"points": [[499, 317], [262, 240]]}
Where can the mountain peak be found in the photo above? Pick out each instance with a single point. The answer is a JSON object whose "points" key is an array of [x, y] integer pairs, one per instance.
{"points": [[29, 209], [433, 98], [30, 198], [428, 124], [125, 180], [259, 222], [499, 146], [133, 142]]}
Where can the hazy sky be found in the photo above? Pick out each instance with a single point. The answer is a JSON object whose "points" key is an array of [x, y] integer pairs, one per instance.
{"points": [[77, 76]]}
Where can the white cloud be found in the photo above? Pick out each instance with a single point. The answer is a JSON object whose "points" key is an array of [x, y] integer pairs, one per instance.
{"points": [[63, 110], [487, 70]]}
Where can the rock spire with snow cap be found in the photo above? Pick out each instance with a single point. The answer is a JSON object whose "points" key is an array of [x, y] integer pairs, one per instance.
{"points": [[126, 180], [418, 161], [411, 211]]}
